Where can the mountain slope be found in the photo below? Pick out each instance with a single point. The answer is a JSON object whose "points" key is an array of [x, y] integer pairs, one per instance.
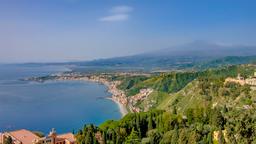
{"points": [[179, 57]]}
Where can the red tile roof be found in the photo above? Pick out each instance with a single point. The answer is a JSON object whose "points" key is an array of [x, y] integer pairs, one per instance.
{"points": [[68, 136], [25, 136]]}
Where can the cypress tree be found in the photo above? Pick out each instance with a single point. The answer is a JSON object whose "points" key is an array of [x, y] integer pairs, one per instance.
{"points": [[175, 136], [133, 138], [104, 138], [150, 123]]}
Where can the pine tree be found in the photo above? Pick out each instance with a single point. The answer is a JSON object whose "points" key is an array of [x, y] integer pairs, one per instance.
{"points": [[133, 138]]}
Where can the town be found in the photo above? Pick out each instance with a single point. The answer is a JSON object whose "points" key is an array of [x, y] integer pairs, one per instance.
{"points": [[24, 136], [126, 103]]}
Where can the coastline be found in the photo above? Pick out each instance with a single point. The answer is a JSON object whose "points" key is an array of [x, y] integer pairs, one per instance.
{"points": [[122, 108], [117, 96]]}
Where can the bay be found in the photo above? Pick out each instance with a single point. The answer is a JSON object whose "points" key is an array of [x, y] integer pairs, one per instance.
{"points": [[63, 105]]}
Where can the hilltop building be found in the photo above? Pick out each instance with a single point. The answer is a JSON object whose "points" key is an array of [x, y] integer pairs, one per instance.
{"points": [[242, 81], [251, 81], [27, 137]]}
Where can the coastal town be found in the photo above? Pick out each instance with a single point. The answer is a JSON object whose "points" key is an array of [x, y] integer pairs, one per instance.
{"points": [[24, 136], [126, 104]]}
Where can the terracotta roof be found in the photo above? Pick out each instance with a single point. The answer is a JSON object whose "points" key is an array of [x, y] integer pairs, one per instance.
{"points": [[25, 136], [68, 136]]}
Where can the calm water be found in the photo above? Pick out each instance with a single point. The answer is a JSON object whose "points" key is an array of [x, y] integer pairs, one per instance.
{"points": [[64, 105]]}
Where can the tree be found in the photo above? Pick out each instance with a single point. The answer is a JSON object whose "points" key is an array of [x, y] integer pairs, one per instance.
{"points": [[209, 138], [150, 123], [8, 140], [104, 138], [175, 136], [133, 138], [190, 115], [182, 137], [89, 138], [217, 119]]}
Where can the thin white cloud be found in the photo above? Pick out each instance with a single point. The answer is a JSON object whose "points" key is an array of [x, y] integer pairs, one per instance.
{"points": [[121, 9], [115, 17], [119, 13]]}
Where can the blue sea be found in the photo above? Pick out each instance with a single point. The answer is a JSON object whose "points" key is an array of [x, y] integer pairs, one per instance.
{"points": [[63, 105]]}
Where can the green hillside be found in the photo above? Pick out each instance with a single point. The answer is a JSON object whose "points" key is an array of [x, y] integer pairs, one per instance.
{"points": [[165, 82], [226, 61], [186, 107]]}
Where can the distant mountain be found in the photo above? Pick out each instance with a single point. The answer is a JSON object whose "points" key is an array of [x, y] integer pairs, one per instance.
{"points": [[178, 57], [206, 49], [196, 55], [229, 60]]}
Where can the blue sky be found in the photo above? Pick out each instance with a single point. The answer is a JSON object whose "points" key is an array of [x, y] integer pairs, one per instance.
{"points": [[71, 30]]}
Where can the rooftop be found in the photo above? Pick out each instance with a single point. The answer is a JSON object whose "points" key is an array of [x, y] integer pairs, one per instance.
{"points": [[68, 136], [24, 136]]}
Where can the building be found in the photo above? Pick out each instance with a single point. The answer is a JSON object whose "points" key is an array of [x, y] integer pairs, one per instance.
{"points": [[19, 137], [27, 137], [53, 138], [251, 81], [242, 81]]}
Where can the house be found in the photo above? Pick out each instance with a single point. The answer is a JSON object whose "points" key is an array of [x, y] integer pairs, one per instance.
{"points": [[53, 138], [242, 81], [27, 137], [251, 81], [19, 137]]}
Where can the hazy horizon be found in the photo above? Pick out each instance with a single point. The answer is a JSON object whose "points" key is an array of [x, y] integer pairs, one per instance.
{"points": [[77, 30]]}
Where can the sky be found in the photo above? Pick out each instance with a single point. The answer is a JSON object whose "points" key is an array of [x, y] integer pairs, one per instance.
{"points": [[76, 30]]}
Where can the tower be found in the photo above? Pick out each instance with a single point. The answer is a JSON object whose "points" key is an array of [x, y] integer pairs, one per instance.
{"points": [[53, 135]]}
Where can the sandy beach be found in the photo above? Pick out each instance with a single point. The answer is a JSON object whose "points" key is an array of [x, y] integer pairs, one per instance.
{"points": [[122, 108]]}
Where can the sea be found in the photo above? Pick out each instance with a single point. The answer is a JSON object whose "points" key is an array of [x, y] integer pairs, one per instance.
{"points": [[64, 105]]}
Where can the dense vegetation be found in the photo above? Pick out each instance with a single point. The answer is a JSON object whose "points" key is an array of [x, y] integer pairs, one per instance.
{"points": [[226, 61], [193, 107], [165, 82], [196, 126]]}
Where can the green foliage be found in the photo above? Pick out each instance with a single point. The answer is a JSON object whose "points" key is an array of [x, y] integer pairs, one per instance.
{"points": [[87, 135], [196, 126], [196, 104], [169, 83], [38, 133], [8, 140], [133, 138], [129, 84]]}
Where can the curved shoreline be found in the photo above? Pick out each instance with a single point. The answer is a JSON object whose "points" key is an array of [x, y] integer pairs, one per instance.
{"points": [[122, 108], [117, 96]]}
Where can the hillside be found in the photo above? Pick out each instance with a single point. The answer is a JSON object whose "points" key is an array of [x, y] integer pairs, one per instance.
{"points": [[186, 109], [225, 61], [183, 90]]}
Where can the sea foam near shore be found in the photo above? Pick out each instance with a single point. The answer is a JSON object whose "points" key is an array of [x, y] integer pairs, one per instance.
{"points": [[122, 108]]}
